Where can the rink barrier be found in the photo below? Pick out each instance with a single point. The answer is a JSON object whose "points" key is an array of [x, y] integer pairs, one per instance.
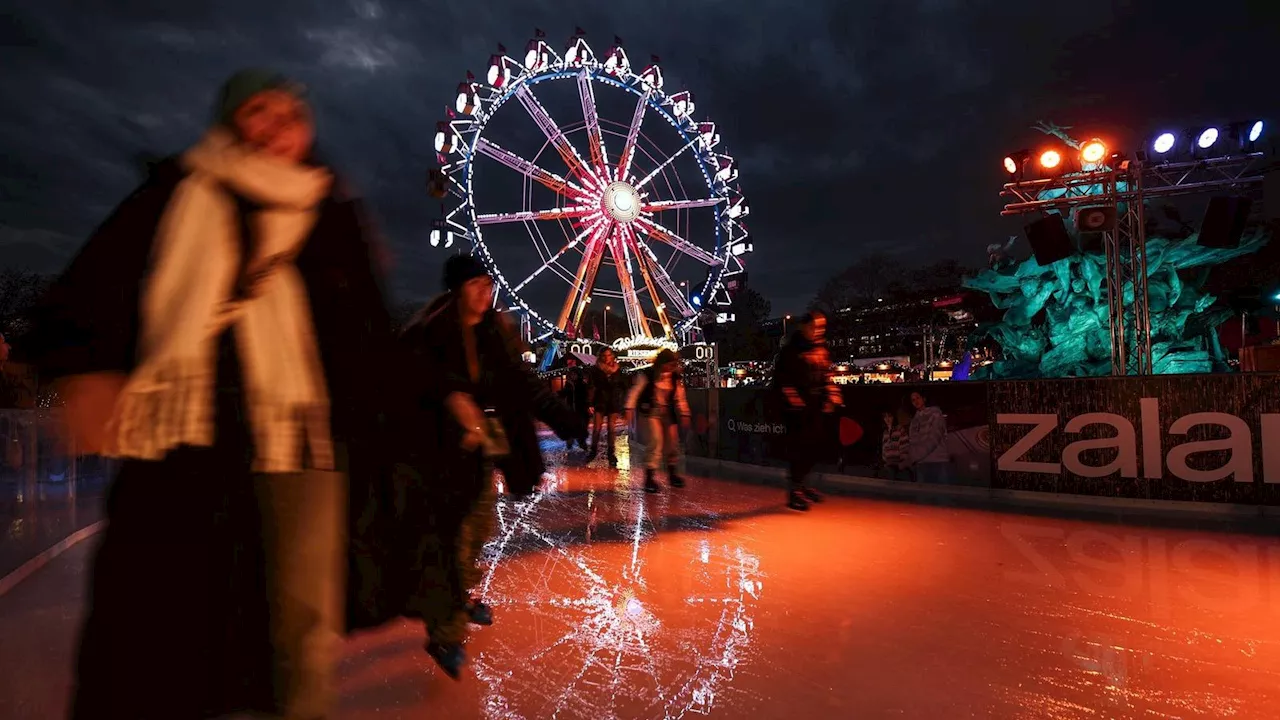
{"points": [[1203, 439]]}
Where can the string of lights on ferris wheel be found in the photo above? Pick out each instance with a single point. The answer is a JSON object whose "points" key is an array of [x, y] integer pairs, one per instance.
{"points": [[1200, 143], [612, 210]]}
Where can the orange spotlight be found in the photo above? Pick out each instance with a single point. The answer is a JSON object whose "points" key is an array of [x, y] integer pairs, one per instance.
{"points": [[1093, 152], [1050, 159]]}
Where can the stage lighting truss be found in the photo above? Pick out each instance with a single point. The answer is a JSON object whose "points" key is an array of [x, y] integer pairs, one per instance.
{"points": [[619, 201], [1127, 185]]}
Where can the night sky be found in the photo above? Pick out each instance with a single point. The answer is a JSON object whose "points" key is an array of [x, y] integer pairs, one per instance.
{"points": [[859, 126]]}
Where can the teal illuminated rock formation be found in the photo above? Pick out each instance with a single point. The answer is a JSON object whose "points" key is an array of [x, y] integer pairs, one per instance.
{"points": [[1056, 316], [1056, 320]]}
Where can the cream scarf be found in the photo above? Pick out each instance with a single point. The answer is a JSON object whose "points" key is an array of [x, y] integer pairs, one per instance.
{"points": [[188, 300]]}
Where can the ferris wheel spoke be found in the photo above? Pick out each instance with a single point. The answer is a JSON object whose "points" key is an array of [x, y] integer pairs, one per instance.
{"points": [[664, 281], [658, 232], [633, 134], [665, 163], [660, 205], [549, 128], [630, 300], [585, 278], [552, 260], [599, 159], [572, 211], [529, 169], [643, 258]]}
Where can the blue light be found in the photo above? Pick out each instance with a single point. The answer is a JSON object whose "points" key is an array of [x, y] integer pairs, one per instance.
{"points": [[1164, 143], [1276, 297], [1255, 132], [1207, 138], [696, 300]]}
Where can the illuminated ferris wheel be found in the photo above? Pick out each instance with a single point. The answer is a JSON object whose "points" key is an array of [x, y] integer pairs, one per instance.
{"points": [[649, 194]]}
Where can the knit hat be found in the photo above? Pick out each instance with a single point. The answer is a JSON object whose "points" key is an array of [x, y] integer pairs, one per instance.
{"points": [[458, 269], [237, 90]]}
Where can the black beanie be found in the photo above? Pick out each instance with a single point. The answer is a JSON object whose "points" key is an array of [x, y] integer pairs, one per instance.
{"points": [[458, 269]]}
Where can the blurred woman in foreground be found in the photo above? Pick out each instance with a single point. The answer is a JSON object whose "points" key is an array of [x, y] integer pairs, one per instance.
{"points": [[221, 332]]}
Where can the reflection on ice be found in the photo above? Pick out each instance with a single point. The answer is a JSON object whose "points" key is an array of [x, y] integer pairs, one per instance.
{"points": [[598, 628]]}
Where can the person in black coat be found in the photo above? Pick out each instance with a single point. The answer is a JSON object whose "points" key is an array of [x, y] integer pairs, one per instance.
{"points": [[804, 392], [221, 332], [472, 404], [609, 387], [576, 393]]}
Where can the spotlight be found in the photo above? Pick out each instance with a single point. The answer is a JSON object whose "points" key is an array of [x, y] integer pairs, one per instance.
{"points": [[696, 299], [1016, 162], [1050, 160], [1246, 134], [1093, 152], [1164, 143], [1206, 138]]}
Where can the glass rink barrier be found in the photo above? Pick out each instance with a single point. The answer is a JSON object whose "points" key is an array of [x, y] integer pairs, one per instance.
{"points": [[48, 492]]}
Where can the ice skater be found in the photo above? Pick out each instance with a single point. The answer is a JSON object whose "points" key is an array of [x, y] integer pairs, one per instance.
{"points": [[657, 401], [608, 396]]}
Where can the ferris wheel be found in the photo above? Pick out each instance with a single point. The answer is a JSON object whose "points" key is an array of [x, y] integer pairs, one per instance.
{"points": [[650, 193]]}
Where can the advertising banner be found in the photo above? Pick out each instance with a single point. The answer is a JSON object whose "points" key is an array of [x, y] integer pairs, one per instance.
{"points": [[1208, 438]]}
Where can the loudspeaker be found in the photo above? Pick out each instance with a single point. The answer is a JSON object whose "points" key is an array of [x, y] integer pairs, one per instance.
{"points": [[1049, 239], [1097, 219], [1224, 222]]}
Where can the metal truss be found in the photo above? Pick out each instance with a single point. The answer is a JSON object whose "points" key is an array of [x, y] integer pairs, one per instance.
{"points": [[1126, 189]]}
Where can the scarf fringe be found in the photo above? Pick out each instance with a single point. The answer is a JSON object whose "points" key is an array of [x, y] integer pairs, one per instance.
{"points": [[169, 400]]}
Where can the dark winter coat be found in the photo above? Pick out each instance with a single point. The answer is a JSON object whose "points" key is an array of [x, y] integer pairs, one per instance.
{"points": [[792, 370], [609, 391], [183, 547], [507, 385]]}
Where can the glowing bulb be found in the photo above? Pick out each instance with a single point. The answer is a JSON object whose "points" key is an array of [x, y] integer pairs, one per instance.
{"points": [[1050, 159], [1010, 166], [622, 200], [1164, 143], [1255, 132], [1207, 138], [1093, 151]]}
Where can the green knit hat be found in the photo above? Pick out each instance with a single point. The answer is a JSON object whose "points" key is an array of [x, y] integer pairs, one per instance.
{"points": [[236, 91]]}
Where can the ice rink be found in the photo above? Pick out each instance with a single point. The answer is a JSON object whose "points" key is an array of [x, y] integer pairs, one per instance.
{"points": [[716, 601]]}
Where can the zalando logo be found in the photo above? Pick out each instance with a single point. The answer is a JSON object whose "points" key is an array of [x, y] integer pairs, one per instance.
{"points": [[1156, 463]]}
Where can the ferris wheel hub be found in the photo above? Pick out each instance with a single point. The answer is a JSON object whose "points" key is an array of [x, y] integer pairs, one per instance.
{"points": [[621, 201]]}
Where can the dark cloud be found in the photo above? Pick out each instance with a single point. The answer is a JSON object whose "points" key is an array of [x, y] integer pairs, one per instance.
{"points": [[859, 125]]}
